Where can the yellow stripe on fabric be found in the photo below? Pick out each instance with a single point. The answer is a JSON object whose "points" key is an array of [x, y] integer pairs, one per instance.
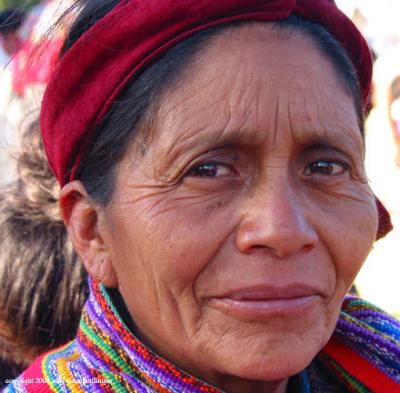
{"points": [[66, 375], [45, 367]]}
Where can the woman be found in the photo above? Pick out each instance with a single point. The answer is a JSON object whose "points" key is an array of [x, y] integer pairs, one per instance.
{"points": [[210, 156]]}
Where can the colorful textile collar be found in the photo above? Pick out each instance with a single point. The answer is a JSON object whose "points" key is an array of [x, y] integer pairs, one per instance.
{"points": [[363, 356]]}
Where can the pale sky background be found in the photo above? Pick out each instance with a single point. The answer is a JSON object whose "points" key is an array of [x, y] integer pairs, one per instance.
{"points": [[383, 26], [379, 280]]}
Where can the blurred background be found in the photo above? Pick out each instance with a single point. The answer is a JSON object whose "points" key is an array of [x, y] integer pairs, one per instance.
{"points": [[379, 280], [25, 68], [17, 3]]}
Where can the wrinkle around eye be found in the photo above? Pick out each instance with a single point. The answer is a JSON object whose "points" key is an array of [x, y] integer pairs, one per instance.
{"points": [[351, 164], [157, 199], [340, 190]]}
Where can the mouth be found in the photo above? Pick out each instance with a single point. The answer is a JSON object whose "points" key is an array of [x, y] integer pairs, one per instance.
{"points": [[262, 303]]}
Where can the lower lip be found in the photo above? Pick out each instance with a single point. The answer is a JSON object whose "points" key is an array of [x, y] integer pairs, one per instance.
{"points": [[266, 308]]}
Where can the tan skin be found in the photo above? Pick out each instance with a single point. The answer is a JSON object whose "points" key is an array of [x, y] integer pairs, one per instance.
{"points": [[235, 237]]}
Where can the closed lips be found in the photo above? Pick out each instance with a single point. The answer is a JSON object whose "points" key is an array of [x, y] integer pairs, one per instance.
{"points": [[272, 293], [259, 303]]}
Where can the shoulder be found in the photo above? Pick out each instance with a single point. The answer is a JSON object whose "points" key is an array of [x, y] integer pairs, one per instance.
{"points": [[361, 316], [32, 380], [42, 376], [365, 347], [66, 370]]}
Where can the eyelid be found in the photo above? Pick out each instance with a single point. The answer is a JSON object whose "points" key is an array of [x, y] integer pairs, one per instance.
{"points": [[325, 151], [334, 160], [328, 153]]}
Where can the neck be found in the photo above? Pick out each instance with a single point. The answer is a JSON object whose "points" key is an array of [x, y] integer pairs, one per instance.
{"points": [[236, 385]]}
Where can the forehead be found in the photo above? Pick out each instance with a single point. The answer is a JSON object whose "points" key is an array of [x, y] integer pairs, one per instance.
{"points": [[257, 82]]}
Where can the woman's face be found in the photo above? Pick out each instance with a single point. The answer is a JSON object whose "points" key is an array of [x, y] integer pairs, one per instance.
{"points": [[236, 234]]}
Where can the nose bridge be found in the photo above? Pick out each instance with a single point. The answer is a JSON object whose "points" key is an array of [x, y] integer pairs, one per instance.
{"points": [[277, 200], [275, 217]]}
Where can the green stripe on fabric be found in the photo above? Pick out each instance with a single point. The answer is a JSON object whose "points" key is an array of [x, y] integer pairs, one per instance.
{"points": [[356, 386], [115, 384], [104, 347]]}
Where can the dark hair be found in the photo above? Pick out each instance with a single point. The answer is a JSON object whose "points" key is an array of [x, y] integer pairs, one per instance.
{"points": [[43, 284], [10, 20], [132, 109]]}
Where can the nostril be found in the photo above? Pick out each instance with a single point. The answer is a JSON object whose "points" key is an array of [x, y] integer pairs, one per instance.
{"points": [[308, 247], [259, 247], [280, 248], [262, 248]]}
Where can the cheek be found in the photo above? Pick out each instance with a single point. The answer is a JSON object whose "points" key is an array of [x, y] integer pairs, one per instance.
{"points": [[192, 236], [161, 251], [168, 241], [349, 236]]}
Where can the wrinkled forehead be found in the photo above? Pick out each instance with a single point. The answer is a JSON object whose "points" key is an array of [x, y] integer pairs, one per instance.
{"points": [[255, 82]]}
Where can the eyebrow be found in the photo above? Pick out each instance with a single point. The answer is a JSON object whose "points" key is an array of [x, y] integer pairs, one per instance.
{"points": [[215, 137], [330, 140], [314, 147]]}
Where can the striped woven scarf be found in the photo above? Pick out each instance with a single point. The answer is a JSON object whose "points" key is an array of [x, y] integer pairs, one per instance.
{"points": [[362, 356]]}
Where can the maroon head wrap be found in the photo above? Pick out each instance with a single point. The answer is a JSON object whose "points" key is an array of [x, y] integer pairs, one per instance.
{"points": [[94, 71]]}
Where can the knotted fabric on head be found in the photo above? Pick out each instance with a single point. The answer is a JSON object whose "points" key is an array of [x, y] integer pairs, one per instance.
{"points": [[95, 70]]}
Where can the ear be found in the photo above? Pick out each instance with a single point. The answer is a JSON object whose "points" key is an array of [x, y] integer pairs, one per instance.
{"points": [[82, 217], [385, 222]]}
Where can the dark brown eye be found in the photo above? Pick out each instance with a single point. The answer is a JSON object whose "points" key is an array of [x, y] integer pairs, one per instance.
{"points": [[211, 169], [324, 167]]}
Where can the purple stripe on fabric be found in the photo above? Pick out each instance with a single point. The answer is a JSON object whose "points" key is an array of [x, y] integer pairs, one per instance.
{"points": [[346, 327], [146, 366]]}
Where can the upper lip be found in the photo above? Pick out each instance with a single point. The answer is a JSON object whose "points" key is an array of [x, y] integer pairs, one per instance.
{"points": [[266, 292]]}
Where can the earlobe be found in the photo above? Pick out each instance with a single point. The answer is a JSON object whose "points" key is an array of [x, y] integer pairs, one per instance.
{"points": [[103, 271], [81, 217]]}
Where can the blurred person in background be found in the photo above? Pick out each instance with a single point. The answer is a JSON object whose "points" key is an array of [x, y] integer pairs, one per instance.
{"points": [[42, 283], [36, 314], [10, 22], [394, 114], [10, 43], [43, 32], [27, 72]]}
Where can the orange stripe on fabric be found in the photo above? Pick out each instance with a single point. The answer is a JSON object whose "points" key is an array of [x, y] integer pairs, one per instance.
{"points": [[52, 386], [360, 368], [66, 374]]}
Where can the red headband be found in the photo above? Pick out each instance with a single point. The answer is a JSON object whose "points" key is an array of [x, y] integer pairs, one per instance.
{"points": [[94, 71]]}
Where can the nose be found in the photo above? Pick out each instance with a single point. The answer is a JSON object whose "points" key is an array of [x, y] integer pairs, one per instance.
{"points": [[275, 219]]}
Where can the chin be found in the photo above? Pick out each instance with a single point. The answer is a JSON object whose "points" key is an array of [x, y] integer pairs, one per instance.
{"points": [[274, 362], [265, 354]]}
